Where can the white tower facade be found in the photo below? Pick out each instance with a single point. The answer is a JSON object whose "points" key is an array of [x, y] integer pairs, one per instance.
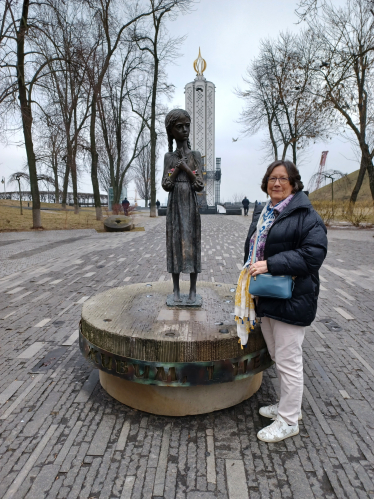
{"points": [[200, 104]]}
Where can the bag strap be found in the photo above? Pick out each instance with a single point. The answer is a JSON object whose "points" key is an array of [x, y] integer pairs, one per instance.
{"points": [[259, 224], [254, 251]]}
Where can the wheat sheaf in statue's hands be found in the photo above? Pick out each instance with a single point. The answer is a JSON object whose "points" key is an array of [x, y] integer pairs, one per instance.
{"points": [[182, 165]]}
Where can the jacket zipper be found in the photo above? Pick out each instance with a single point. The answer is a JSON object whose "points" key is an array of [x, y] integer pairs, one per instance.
{"points": [[275, 221]]}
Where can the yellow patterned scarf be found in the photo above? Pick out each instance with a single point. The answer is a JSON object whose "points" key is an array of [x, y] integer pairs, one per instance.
{"points": [[245, 316]]}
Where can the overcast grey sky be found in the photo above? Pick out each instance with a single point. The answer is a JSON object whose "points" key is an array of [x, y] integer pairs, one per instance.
{"points": [[228, 34]]}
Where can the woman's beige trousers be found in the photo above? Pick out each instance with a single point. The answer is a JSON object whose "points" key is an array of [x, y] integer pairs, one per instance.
{"points": [[284, 342]]}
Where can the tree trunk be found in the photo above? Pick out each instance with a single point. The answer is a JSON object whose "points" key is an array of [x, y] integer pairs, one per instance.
{"points": [[27, 116], [95, 159], [55, 176], [272, 138], [57, 192], [360, 179], [65, 186], [370, 170], [75, 186], [153, 139], [118, 177], [72, 165], [285, 147], [114, 175], [366, 165], [115, 180]]}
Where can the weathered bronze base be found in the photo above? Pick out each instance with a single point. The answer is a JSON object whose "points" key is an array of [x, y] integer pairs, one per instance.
{"points": [[184, 401]]}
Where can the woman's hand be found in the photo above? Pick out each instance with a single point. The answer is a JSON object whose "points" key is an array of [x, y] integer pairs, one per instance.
{"points": [[258, 268]]}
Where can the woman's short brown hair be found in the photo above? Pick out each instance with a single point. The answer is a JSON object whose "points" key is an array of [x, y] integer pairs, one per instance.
{"points": [[292, 172]]}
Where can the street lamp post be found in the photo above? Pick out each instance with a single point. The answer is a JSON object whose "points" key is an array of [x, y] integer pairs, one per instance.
{"points": [[18, 178], [332, 175]]}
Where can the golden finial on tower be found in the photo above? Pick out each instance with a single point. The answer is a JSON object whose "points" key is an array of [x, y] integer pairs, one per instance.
{"points": [[199, 65]]}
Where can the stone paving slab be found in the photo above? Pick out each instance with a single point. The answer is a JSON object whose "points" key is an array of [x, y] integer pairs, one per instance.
{"points": [[63, 436]]}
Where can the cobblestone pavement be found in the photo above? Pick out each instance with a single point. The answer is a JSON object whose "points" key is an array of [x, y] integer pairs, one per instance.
{"points": [[63, 436]]}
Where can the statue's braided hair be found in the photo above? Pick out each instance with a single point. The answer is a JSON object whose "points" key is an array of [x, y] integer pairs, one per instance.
{"points": [[171, 118]]}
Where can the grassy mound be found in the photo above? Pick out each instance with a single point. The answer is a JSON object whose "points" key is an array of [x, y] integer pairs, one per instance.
{"points": [[343, 189]]}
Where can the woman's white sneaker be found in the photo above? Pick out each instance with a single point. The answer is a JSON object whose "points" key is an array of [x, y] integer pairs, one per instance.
{"points": [[271, 412], [278, 431]]}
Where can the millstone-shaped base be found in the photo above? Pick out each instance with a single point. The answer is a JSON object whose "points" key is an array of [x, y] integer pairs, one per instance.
{"points": [[171, 360], [118, 223]]}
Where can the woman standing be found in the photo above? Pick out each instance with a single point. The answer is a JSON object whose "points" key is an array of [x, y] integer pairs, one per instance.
{"points": [[290, 239], [182, 179]]}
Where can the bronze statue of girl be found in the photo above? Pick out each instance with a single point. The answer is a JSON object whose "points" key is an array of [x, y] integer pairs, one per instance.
{"points": [[182, 179]]}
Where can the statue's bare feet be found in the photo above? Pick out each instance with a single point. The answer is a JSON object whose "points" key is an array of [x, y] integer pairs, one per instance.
{"points": [[176, 292], [191, 296]]}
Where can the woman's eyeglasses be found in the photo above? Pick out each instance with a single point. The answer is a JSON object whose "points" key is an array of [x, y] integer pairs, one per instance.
{"points": [[282, 180]]}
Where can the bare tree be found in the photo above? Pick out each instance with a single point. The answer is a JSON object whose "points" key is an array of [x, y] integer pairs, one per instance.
{"points": [[153, 40], [25, 67], [306, 8], [48, 49], [260, 107], [117, 119], [112, 23], [344, 41], [142, 170], [279, 95], [15, 30], [68, 87], [49, 151]]}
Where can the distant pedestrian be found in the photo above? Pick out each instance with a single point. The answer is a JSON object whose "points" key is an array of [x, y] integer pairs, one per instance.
{"points": [[158, 204], [245, 203], [125, 206]]}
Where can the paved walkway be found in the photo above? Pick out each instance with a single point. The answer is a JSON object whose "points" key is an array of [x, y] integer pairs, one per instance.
{"points": [[63, 436]]}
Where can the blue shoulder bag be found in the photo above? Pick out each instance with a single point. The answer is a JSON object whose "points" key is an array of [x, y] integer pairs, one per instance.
{"points": [[270, 286]]}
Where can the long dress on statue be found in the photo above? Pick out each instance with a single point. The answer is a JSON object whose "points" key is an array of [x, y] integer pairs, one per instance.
{"points": [[183, 225]]}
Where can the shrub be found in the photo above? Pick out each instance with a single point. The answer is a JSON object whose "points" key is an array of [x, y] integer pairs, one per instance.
{"points": [[359, 213], [324, 210], [117, 209]]}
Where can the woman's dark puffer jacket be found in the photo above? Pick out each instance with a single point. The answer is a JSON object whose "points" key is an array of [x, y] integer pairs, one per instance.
{"points": [[296, 245]]}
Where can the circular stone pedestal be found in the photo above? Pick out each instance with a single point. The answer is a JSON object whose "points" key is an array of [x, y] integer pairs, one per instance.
{"points": [[171, 360]]}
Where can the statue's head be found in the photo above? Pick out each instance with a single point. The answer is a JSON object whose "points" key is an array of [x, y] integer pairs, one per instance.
{"points": [[175, 119]]}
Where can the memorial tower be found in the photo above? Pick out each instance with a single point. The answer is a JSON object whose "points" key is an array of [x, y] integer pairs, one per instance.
{"points": [[200, 104]]}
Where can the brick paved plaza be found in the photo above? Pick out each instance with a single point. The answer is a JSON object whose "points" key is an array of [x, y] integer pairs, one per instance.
{"points": [[63, 436]]}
